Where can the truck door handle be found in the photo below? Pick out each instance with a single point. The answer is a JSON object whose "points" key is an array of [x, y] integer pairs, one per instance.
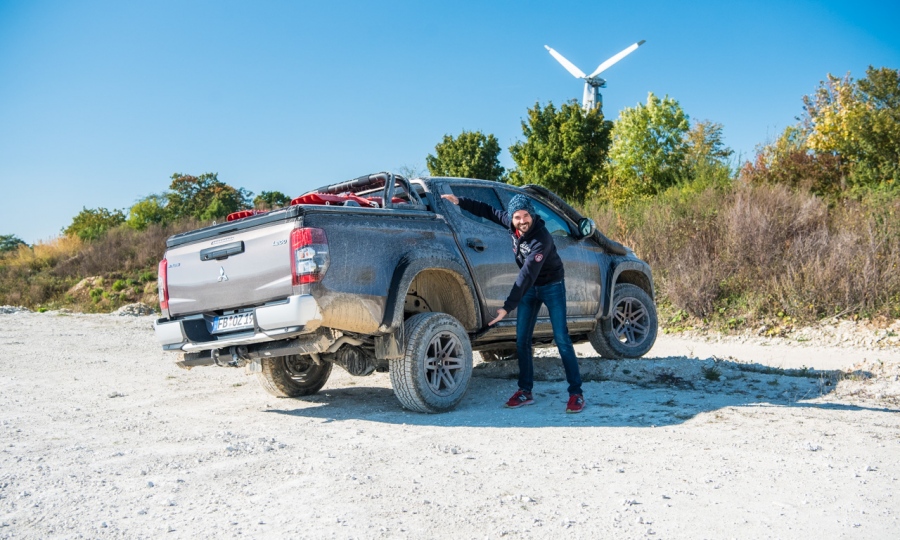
{"points": [[475, 244]]}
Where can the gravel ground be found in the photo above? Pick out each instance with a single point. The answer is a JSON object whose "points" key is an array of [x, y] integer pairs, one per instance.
{"points": [[102, 436]]}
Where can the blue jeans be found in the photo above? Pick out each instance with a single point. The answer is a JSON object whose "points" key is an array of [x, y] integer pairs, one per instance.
{"points": [[552, 295]]}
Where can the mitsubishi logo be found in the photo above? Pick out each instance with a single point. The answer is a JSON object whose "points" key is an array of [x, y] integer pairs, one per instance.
{"points": [[222, 276]]}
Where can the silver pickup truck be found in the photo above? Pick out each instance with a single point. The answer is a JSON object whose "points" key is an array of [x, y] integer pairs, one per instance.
{"points": [[379, 273]]}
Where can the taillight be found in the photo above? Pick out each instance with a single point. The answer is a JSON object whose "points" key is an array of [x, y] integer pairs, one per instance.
{"points": [[309, 255], [162, 283]]}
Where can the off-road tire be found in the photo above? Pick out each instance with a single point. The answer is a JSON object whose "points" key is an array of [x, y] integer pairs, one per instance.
{"points": [[434, 373], [498, 355], [293, 376], [631, 331]]}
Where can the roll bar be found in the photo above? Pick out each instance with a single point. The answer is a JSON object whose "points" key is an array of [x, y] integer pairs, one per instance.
{"points": [[386, 180]]}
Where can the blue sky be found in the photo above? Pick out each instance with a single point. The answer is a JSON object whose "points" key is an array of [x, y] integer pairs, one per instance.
{"points": [[102, 101]]}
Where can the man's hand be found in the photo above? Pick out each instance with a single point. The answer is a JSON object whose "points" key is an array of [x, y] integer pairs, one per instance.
{"points": [[500, 313], [452, 198]]}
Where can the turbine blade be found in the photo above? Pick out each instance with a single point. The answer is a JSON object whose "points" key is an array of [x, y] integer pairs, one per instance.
{"points": [[570, 67], [605, 65]]}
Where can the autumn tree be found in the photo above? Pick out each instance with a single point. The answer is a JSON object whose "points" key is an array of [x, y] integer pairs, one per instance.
{"points": [[564, 150], [859, 122], [789, 161], [470, 155]]}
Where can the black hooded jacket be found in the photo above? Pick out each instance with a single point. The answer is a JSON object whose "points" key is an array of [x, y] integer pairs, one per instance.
{"points": [[535, 252]]}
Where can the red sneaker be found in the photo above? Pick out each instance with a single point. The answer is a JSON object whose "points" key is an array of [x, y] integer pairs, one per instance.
{"points": [[519, 399], [576, 403]]}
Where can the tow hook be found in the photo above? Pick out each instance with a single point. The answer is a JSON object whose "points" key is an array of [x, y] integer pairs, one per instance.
{"points": [[239, 357]]}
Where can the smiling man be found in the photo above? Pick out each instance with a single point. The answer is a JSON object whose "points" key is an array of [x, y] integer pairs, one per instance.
{"points": [[540, 281]]}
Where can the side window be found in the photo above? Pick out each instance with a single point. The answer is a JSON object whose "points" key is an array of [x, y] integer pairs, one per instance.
{"points": [[556, 225], [483, 194]]}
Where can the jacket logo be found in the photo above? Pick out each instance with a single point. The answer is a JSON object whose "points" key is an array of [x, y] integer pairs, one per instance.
{"points": [[539, 257], [222, 276]]}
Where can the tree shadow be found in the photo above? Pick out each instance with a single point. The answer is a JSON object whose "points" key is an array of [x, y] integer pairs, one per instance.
{"points": [[650, 392]]}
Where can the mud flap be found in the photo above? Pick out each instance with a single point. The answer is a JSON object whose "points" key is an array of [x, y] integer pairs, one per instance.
{"points": [[390, 346]]}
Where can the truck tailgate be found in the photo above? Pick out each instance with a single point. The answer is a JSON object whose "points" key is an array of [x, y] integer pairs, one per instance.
{"points": [[233, 270]]}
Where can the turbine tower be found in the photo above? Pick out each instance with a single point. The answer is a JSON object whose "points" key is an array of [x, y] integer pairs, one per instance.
{"points": [[592, 83]]}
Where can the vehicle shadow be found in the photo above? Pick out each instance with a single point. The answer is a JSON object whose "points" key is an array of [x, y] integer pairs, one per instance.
{"points": [[649, 392]]}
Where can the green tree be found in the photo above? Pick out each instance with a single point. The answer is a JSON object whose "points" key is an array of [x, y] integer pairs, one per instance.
{"points": [[471, 155], [649, 149], [859, 122], [707, 159], [564, 150], [10, 242], [268, 200], [204, 197], [92, 223], [705, 145], [150, 209]]}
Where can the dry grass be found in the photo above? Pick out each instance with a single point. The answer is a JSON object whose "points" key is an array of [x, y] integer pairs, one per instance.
{"points": [[42, 275], [756, 251]]}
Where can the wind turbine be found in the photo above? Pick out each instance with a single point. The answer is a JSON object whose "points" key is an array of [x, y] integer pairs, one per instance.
{"points": [[593, 83]]}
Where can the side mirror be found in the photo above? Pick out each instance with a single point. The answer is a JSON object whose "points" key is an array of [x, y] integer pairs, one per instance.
{"points": [[586, 227]]}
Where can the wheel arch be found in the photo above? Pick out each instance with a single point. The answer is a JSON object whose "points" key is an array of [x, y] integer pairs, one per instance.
{"points": [[441, 280], [633, 272]]}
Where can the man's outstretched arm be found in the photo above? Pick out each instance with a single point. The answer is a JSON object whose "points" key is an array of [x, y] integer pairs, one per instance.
{"points": [[480, 209]]}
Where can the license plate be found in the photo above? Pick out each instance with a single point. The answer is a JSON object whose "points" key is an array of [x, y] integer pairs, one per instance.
{"points": [[229, 323]]}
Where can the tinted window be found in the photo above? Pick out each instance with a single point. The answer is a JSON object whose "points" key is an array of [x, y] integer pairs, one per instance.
{"points": [[557, 225], [483, 194]]}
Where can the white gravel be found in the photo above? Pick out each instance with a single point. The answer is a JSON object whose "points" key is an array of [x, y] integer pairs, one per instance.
{"points": [[101, 436]]}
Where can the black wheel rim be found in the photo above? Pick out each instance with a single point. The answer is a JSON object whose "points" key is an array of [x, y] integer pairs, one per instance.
{"points": [[298, 368], [444, 363], [631, 322]]}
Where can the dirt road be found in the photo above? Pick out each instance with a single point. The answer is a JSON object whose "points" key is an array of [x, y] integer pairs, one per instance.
{"points": [[101, 436]]}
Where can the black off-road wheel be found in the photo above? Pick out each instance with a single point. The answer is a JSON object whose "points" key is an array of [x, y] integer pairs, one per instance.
{"points": [[293, 376], [434, 374], [631, 331]]}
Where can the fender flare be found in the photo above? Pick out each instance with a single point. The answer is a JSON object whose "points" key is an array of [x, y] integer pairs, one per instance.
{"points": [[409, 266], [625, 266]]}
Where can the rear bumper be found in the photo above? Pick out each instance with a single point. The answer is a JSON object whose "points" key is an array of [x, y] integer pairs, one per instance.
{"points": [[295, 315]]}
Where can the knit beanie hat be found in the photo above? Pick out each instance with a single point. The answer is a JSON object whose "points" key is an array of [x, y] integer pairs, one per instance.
{"points": [[520, 202]]}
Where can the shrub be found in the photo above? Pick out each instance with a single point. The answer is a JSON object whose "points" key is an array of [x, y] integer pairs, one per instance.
{"points": [[92, 224]]}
